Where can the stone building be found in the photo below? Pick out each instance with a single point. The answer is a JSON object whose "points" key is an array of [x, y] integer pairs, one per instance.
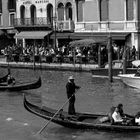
{"points": [[57, 22], [36, 20], [7, 15]]}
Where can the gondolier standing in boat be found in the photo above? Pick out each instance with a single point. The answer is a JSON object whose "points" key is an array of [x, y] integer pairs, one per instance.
{"points": [[70, 88], [10, 80]]}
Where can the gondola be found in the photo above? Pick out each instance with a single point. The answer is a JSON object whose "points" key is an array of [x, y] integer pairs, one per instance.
{"points": [[21, 86], [3, 79], [79, 121]]}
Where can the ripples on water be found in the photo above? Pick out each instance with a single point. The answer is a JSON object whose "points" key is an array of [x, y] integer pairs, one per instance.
{"points": [[96, 95]]}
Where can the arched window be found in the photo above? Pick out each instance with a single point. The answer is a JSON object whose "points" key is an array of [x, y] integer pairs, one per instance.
{"points": [[33, 14], [60, 11], [129, 10], [68, 11], [50, 13], [22, 14], [103, 10]]}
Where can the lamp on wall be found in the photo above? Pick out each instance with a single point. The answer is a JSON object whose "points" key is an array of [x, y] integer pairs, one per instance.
{"points": [[41, 10]]}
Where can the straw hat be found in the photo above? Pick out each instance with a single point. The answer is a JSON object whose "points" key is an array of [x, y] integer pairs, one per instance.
{"points": [[71, 78]]}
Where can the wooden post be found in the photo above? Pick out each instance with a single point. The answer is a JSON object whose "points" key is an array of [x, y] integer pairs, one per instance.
{"points": [[110, 59], [34, 55], [124, 59], [118, 53], [74, 57], [99, 55]]}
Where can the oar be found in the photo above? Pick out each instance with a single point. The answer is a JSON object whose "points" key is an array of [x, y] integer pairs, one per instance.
{"points": [[54, 115]]}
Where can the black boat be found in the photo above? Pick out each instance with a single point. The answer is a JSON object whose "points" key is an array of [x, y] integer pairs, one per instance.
{"points": [[21, 86], [78, 121], [3, 79]]}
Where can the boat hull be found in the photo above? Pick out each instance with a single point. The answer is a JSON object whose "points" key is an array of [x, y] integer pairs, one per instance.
{"points": [[3, 79], [104, 72], [23, 86], [130, 80], [79, 121]]}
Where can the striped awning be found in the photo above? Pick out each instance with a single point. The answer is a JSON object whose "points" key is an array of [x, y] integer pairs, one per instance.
{"points": [[32, 34]]}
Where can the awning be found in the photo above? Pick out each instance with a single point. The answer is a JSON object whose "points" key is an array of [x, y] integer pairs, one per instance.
{"points": [[32, 34], [96, 36], [1, 32]]}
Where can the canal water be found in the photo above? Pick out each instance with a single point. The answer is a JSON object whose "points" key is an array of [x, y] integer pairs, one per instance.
{"points": [[96, 95]]}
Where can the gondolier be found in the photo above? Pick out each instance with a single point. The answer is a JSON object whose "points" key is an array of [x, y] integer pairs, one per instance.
{"points": [[70, 88], [10, 80]]}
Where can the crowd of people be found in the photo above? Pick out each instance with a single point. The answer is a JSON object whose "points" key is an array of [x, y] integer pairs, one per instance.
{"points": [[63, 54]]}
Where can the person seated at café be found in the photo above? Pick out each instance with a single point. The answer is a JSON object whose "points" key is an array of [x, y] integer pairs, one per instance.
{"points": [[138, 71], [10, 80]]}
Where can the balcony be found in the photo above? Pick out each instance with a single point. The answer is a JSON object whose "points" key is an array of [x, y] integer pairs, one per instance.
{"points": [[106, 26], [67, 25], [32, 22]]}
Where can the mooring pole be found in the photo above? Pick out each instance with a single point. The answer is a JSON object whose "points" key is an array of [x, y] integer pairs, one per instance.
{"points": [[34, 55], [124, 59], [99, 55], [110, 59]]}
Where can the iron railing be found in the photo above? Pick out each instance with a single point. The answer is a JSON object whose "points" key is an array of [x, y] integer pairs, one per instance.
{"points": [[21, 22], [46, 22]]}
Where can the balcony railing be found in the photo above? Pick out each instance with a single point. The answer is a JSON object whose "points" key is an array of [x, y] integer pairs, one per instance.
{"points": [[25, 22], [106, 26], [67, 25]]}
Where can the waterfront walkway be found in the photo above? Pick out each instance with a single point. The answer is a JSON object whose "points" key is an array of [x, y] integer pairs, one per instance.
{"points": [[49, 66]]}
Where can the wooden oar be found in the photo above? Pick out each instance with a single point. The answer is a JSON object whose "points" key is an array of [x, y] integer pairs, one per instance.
{"points": [[54, 115]]}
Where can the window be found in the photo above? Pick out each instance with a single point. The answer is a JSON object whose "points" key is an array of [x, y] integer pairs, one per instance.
{"points": [[33, 14], [60, 11], [12, 5], [103, 10], [22, 15], [68, 11], [79, 11], [129, 10], [12, 15], [50, 13]]}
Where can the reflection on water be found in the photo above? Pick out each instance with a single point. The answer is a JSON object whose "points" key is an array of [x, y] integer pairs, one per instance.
{"points": [[95, 96]]}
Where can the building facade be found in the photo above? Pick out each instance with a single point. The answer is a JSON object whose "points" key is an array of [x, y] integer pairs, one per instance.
{"points": [[37, 19], [57, 22], [109, 17], [98, 19], [7, 15]]}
